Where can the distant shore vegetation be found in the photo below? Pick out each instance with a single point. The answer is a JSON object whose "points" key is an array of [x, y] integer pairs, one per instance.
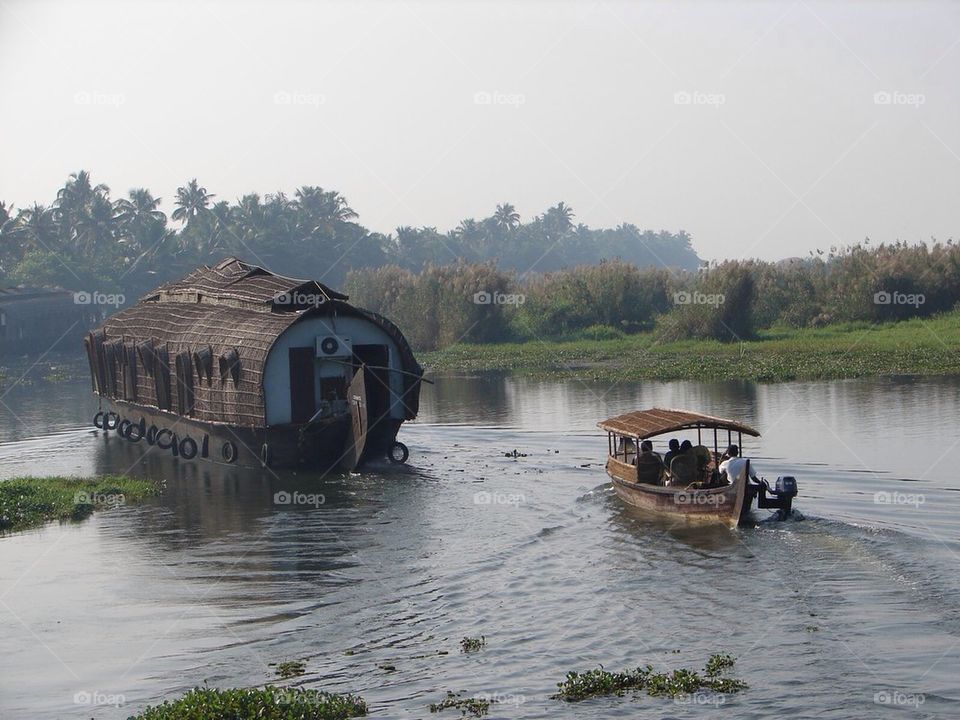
{"points": [[473, 285], [732, 301], [87, 238]]}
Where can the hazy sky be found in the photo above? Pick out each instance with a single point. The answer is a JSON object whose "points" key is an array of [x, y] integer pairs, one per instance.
{"points": [[757, 127]]}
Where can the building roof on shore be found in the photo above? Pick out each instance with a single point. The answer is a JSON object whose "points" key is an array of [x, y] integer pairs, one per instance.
{"points": [[233, 281], [23, 292], [657, 421]]}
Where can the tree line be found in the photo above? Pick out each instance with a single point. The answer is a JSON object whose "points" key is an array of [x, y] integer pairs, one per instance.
{"points": [[84, 239], [726, 301]]}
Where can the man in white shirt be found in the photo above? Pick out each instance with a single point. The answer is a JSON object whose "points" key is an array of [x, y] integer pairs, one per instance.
{"points": [[735, 466]]}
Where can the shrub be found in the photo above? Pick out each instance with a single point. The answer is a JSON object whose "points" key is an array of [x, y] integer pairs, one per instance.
{"points": [[268, 703]]}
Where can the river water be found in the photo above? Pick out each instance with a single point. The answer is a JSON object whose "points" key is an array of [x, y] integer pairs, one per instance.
{"points": [[851, 613]]}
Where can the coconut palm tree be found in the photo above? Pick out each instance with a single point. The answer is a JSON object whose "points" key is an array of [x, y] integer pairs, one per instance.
{"points": [[96, 230], [38, 227], [559, 218], [10, 232], [140, 207], [506, 216], [192, 201], [73, 206]]}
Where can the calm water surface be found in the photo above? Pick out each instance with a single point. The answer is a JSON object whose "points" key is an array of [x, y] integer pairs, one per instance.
{"points": [[213, 581]]}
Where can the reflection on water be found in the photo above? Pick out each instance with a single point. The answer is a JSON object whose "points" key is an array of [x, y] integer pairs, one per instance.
{"points": [[216, 579]]}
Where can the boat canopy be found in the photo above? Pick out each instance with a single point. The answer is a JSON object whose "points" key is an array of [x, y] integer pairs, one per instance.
{"points": [[657, 421]]}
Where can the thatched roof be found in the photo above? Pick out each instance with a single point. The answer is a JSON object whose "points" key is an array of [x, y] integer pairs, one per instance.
{"points": [[235, 280], [657, 421]]}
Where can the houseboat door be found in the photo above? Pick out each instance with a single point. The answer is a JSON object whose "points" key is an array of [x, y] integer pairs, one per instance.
{"points": [[357, 436], [303, 404]]}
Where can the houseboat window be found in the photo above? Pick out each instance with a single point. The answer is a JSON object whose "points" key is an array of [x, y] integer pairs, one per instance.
{"points": [[146, 353], [203, 360], [161, 378], [130, 372], [230, 366], [112, 355], [185, 395]]}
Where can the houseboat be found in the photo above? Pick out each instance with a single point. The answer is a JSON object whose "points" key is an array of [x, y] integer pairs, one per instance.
{"points": [[238, 365], [688, 487]]}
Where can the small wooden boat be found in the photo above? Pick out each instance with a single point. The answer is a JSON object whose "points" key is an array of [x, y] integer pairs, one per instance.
{"points": [[693, 490]]}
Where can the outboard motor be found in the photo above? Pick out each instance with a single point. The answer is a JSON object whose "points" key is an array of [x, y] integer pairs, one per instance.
{"points": [[781, 498]]}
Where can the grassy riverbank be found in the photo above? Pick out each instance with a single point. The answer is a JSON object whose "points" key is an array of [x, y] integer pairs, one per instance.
{"points": [[30, 501], [911, 347]]}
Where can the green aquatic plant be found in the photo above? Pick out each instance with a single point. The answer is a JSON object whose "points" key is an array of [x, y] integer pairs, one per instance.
{"points": [[29, 501], [599, 682], [717, 664], [469, 644], [267, 703], [474, 706], [290, 668], [596, 682]]}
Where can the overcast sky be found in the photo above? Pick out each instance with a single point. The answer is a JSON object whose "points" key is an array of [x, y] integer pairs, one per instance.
{"points": [[763, 129]]}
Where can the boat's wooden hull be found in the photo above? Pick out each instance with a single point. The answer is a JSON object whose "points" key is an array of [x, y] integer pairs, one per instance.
{"points": [[322, 447], [716, 505]]}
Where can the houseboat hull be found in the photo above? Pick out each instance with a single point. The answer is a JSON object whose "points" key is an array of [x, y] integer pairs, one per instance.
{"points": [[723, 505], [322, 446]]}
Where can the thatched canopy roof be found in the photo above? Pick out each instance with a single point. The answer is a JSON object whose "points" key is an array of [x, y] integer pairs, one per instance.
{"points": [[657, 421], [235, 280]]}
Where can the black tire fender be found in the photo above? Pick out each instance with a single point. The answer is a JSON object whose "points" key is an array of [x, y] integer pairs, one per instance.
{"points": [[188, 448], [137, 431], [98, 419], [159, 439], [398, 453], [228, 452]]}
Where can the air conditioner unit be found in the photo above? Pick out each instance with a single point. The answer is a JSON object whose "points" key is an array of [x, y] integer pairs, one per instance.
{"points": [[334, 347]]}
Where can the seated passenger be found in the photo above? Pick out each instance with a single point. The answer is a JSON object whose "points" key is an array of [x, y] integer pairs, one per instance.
{"points": [[702, 453], [672, 452], [683, 467], [686, 446], [649, 465], [735, 467]]}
